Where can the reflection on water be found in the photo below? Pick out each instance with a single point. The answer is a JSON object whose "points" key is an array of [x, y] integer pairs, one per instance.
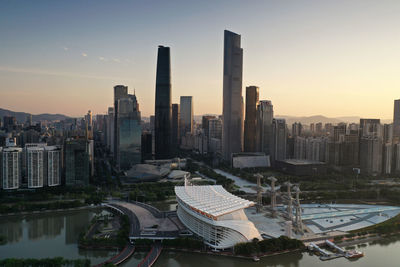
{"points": [[12, 230], [382, 253], [48, 235], [44, 226]]}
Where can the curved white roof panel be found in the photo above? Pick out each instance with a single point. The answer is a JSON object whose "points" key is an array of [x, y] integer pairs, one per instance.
{"points": [[213, 200]]}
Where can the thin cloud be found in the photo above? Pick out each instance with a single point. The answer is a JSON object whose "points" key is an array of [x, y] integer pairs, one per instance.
{"points": [[116, 60], [59, 73], [102, 59], [65, 48], [84, 55]]}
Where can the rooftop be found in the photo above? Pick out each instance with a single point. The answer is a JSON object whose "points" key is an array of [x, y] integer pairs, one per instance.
{"points": [[213, 200]]}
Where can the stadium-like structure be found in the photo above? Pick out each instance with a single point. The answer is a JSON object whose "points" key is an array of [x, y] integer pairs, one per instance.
{"points": [[215, 215]]}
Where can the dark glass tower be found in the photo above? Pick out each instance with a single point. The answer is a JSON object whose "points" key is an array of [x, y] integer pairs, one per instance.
{"points": [[163, 112]]}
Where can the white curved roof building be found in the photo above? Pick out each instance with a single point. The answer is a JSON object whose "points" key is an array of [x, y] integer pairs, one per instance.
{"points": [[215, 214]]}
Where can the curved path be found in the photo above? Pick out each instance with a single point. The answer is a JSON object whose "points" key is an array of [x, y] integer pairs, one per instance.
{"points": [[152, 256], [129, 248]]}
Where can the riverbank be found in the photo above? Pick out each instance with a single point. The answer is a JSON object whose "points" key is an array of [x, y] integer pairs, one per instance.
{"points": [[49, 211], [231, 255]]}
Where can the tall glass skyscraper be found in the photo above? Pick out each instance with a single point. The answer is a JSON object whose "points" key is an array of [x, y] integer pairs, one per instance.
{"points": [[129, 133], [265, 115], [186, 122], [232, 133], [250, 122], [163, 114]]}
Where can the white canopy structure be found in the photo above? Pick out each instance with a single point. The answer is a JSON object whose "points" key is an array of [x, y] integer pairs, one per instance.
{"points": [[215, 214]]}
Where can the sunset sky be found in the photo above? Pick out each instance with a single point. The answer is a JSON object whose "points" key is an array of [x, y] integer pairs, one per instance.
{"points": [[334, 58]]}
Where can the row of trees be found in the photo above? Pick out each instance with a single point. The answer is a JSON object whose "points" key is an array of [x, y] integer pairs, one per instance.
{"points": [[144, 192], [27, 206], [48, 193], [268, 245], [49, 262]]}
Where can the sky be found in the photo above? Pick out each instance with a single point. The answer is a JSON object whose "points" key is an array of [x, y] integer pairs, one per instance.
{"points": [[332, 58]]}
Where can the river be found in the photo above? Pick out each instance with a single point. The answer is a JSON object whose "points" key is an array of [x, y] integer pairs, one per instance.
{"points": [[48, 235], [383, 253], [56, 235]]}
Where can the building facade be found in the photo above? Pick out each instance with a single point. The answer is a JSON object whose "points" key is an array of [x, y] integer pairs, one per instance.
{"points": [[11, 167], [252, 101], [163, 112], [186, 113], [232, 133], [215, 215]]}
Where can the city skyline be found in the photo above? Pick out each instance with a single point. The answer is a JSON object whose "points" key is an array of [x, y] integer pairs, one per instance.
{"points": [[297, 54]]}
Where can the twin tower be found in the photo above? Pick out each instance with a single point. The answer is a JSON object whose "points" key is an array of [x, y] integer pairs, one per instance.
{"points": [[232, 133]]}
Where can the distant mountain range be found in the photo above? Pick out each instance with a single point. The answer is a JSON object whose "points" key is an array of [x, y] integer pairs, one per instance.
{"points": [[307, 120], [21, 116]]}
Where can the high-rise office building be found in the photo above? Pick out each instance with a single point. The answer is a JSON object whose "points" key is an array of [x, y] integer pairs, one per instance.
{"points": [[175, 126], [120, 91], [396, 120], [297, 128], [232, 133], [252, 100], [35, 166], [147, 143], [214, 135], [186, 113], [110, 129], [129, 133], [204, 123], [163, 112], [10, 167], [265, 114], [77, 162], [279, 132]]}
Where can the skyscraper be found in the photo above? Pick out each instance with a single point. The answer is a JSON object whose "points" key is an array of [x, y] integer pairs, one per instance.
{"points": [[129, 132], [186, 110], [265, 115], [162, 123], [77, 162], [250, 119], [175, 126], [120, 91], [278, 151], [232, 133], [396, 121]]}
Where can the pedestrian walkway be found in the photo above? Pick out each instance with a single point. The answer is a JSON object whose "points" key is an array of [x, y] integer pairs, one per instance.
{"points": [[152, 256]]}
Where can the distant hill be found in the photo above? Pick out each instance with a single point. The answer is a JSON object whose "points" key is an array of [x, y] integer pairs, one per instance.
{"points": [[307, 120], [21, 116], [319, 118]]}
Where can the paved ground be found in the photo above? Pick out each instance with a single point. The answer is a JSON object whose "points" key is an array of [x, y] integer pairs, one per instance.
{"points": [[244, 185], [147, 219]]}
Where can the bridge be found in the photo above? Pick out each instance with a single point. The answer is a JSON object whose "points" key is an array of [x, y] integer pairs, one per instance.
{"points": [[143, 219]]}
